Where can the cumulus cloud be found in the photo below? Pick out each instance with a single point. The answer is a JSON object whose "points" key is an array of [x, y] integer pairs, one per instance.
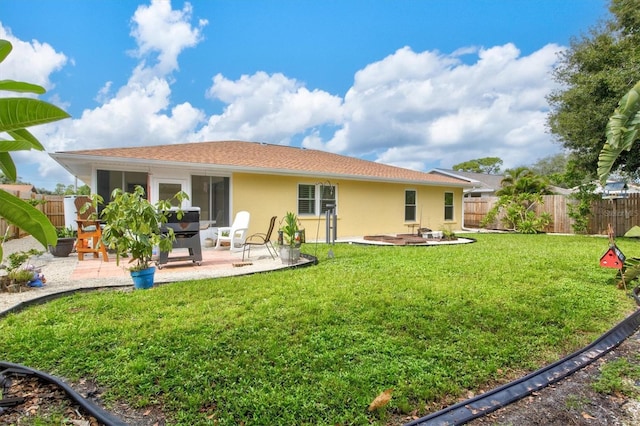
{"points": [[160, 30], [33, 62], [412, 109], [270, 108], [139, 113], [420, 109]]}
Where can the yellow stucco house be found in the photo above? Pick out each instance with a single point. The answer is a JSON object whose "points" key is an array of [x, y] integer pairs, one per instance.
{"points": [[225, 177]]}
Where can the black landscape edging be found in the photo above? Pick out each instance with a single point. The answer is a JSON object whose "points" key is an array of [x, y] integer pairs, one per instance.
{"points": [[488, 402], [101, 415]]}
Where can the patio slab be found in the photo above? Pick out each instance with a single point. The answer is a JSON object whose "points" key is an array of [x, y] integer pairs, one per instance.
{"points": [[69, 274]]}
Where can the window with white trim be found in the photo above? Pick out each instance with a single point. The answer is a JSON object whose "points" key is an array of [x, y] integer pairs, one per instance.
{"points": [[448, 206], [314, 199], [410, 197]]}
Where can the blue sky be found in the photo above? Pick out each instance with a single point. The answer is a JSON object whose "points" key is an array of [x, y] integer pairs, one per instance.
{"points": [[417, 84]]}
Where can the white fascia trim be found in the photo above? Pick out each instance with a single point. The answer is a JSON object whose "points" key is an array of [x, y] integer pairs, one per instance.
{"points": [[256, 170]]}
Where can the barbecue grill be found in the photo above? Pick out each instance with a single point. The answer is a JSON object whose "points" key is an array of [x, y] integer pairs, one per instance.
{"points": [[187, 233]]}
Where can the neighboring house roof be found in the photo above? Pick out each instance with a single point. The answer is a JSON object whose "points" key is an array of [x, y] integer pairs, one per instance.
{"points": [[482, 182], [487, 184], [18, 188], [253, 157], [617, 189]]}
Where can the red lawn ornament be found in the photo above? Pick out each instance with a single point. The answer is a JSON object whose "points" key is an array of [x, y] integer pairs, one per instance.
{"points": [[613, 257]]}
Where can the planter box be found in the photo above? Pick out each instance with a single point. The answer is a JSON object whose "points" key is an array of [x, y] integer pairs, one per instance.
{"points": [[289, 255]]}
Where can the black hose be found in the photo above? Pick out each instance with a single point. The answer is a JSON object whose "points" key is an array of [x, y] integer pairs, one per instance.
{"points": [[101, 415], [488, 402]]}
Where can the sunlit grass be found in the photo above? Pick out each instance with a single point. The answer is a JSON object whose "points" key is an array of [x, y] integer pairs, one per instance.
{"points": [[316, 345]]}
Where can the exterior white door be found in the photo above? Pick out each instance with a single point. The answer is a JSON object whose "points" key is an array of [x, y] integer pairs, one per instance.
{"points": [[166, 189]]}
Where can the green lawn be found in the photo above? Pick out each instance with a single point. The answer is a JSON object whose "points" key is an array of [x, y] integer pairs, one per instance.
{"points": [[316, 345]]}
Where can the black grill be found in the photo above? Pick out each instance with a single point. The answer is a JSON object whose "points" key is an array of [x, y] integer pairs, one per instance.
{"points": [[187, 232]]}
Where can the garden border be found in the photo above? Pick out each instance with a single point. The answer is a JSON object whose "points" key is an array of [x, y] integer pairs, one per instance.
{"points": [[502, 396]]}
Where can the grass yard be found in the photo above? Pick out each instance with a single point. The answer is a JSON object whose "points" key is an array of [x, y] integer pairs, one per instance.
{"points": [[317, 345]]}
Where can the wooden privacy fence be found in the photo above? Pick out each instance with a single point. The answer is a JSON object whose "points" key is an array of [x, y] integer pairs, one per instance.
{"points": [[50, 205], [475, 209], [621, 213]]}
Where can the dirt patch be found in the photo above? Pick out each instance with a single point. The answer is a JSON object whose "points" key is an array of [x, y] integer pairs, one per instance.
{"points": [[38, 399], [399, 240], [573, 401]]}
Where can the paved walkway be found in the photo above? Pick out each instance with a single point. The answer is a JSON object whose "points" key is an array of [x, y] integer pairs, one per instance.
{"points": [[68, 274]]}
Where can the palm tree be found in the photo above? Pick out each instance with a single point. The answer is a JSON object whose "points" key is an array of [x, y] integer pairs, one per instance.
{"points": [[522, 180], [622, 131]]}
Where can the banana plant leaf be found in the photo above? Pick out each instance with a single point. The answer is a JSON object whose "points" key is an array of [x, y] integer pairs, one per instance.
{"points": [[21, 87], [7, 166], [26, 217], [25, 135], [631, 270], [18, 113], [621, 132]]}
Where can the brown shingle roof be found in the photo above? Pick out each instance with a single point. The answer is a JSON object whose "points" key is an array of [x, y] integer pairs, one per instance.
{"points": [[268, 158], [18, 187]]}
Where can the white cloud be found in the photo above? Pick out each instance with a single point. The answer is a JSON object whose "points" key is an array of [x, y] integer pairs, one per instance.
{"points": [[139, 113], [270, 108], [32, 62], [411, 109], [159, 29], [420, 108]]}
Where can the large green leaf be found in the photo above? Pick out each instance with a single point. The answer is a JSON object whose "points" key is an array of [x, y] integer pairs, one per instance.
{"points": [[27, 218], [24, 134], [18, 113], [9, 145], [21, 87], [621, 132], [5, 49], [8, 168]]}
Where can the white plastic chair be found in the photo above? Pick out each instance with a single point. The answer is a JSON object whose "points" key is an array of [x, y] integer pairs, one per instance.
{"points": [[235, 234]]}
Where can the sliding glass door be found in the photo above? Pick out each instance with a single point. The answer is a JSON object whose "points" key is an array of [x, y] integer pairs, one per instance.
{"points": [[211, 194]]}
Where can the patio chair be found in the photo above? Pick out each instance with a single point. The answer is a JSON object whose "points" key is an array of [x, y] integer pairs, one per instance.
{"points": [[89, 230], [260, 239], [236, 233]]}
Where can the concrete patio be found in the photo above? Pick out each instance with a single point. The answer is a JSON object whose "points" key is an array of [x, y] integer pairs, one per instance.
{"points": [[69, 274]]}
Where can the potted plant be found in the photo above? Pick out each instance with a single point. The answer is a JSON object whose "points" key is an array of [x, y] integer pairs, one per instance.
{"points": [[289, 239], [66, 241], [133, 227]]}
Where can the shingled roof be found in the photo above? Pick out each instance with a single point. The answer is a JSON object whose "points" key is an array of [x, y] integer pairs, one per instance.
{"points": [[259, 157]]}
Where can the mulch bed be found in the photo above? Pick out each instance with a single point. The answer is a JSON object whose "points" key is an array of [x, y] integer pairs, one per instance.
{"points": [[25, 397], [399, 240]]}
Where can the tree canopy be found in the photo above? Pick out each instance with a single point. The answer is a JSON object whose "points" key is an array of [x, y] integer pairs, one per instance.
{"points": [[594, 73], [488, 165]]}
